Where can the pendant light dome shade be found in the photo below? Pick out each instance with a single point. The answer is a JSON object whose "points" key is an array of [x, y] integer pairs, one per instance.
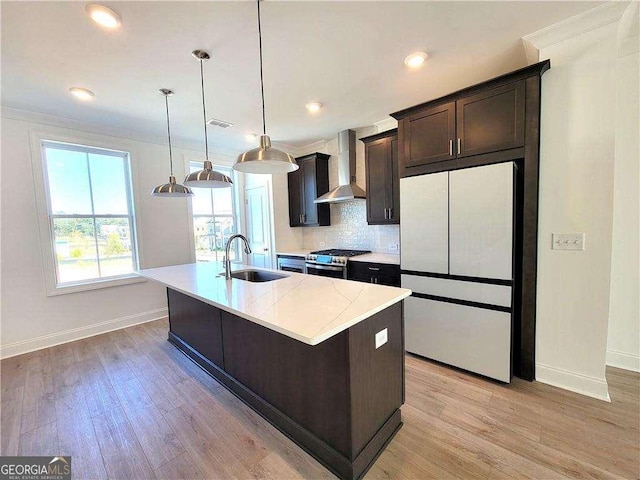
{"points": [[265, 159], [207, 177], [171, 189]]}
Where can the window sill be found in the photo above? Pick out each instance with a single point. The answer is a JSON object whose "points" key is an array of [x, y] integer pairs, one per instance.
{"points": [[94, 285]]}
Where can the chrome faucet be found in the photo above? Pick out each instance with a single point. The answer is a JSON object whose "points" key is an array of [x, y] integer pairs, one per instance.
{"points": [[227, 260]]}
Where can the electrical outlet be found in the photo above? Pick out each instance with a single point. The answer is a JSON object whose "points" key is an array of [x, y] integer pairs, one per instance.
{"points": [[567, 241], [381, 338], [393, 247], [322, 244]]}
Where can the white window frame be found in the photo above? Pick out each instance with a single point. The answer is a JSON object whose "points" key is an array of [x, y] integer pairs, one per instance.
{"points": [[45, 216], [237, 217]]}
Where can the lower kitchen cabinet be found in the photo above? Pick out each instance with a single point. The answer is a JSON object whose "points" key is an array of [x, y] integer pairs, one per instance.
{"points": [[380, 273], [197, 323]]}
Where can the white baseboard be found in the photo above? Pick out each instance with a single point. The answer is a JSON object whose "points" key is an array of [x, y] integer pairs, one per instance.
{"points": [[574, 382], [46, 341], [627, 361]]}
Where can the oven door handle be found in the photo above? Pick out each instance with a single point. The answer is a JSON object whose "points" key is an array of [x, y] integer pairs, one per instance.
{"points": [[324, 267]]}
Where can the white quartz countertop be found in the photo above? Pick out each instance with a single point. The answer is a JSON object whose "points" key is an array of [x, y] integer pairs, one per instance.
{"points": [[309, 308], [294, 253], [377, 258]]}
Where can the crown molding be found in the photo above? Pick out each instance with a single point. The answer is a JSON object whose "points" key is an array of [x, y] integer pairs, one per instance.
{"points": [[584, 22], [386, 124]]}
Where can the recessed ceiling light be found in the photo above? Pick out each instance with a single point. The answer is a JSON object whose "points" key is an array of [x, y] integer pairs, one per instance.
{"points": [[103, 15], [250, 137], [82, 93], [313, 106], [416, 59]]}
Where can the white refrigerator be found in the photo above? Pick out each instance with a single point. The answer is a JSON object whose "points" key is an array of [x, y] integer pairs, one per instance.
{"points": [[457, 256]]}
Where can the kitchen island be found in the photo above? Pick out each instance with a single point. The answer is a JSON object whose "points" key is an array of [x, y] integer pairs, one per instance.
{"points": [[322, 359]]}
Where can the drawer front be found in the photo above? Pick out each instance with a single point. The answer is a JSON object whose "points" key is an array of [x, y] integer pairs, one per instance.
{"points": [[375, 269], [474, 339]]}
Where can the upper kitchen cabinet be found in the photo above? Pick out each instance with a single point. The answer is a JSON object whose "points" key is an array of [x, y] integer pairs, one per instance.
{"points": [[383, 188], [481, 124], [490, 121], [428, 135], [306, 184]]}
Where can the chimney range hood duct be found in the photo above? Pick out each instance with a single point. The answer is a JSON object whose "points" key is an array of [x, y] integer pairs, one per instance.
{"points": [[347, 190]]}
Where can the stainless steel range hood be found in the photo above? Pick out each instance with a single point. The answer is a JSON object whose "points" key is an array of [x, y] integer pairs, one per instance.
{"points": [[347, 190]]}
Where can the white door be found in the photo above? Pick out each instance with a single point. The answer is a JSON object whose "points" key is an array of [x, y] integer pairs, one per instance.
{"points": [[424, 229], [258, 226], [481, 221]]}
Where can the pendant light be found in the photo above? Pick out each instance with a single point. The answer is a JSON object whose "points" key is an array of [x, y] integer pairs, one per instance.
{"points": [[171, 189], [207, 177], [265, 158]]}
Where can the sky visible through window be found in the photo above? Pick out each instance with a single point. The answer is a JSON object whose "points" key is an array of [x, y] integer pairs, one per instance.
{"points": [[69, 186]]}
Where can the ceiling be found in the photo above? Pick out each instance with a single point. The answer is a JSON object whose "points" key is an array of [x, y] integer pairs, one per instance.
{"points": [[347, 55]]}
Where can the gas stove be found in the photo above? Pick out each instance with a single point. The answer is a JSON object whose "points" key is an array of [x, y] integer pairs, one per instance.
{"points": [[333, 256]]}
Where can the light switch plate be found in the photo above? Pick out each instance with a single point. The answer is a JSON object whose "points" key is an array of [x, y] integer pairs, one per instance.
{"points": [[567, 241], [381, 338], [393, 247]]}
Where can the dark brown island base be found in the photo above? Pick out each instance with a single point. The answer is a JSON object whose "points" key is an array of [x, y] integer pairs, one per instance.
{"points": [[338, 400]]}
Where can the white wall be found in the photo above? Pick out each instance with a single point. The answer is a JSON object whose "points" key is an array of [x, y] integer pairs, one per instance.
{"points": [[576, 195], [31, 320], [623, 344]]}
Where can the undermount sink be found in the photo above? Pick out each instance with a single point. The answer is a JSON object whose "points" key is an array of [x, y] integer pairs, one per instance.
{"points": [[256, 275]]}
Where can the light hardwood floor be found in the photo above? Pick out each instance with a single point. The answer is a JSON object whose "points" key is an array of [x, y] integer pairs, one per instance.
{"points": [[129, 405]]}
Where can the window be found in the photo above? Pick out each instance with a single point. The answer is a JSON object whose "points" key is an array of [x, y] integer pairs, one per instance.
{"points": [[214, 218], [90, 213]]}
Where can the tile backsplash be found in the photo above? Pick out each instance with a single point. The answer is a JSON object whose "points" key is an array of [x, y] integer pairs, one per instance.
{"points": [[349, 229]]}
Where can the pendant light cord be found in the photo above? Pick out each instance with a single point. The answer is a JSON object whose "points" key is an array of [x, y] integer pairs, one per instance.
{"points": [[264, 121], [166, 103], [204, 112]]}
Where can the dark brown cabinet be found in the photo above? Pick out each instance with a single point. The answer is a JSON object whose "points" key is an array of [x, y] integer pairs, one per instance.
{"points": [[491, 120], [383, 181], [305, 185], [196, 323], [429, 135], [379, 273]]}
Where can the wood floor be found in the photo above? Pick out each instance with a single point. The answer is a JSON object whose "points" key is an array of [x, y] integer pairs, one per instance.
{"points": [[128, 405]]}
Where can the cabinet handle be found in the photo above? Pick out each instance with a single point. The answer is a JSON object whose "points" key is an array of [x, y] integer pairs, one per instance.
{"points": [[375, 269], [390, 213], [451, 148], [459, 145], [385, 213]]}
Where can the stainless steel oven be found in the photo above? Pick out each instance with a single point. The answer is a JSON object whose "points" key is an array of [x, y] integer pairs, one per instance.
{"points": [[326, 270]]}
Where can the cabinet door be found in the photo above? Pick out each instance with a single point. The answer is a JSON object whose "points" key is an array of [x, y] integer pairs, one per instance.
{"points": [[377, 172], [295, 199], [308, 195], [424, 230], [491, 121], [475, 339], [481, 221], [429, 134], [394, 184]]}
